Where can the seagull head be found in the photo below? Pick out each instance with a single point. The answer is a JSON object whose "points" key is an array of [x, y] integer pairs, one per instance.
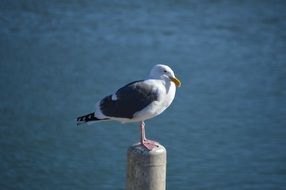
{"points": [[164, 72]]}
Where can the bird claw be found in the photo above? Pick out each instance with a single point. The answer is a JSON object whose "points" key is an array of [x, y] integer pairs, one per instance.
{"points": [[149, 144]]}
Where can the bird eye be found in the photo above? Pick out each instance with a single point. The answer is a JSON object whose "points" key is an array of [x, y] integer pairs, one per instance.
{"points": [[165, 71]]}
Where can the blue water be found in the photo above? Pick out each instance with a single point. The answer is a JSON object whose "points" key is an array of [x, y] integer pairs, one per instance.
{"points": [[226, 128]]}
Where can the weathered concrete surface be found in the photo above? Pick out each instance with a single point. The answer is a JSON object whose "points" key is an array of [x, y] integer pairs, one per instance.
{"points": [[146, 170]]}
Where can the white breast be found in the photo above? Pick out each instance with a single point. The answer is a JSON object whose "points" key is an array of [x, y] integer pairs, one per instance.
{"points": [[170, 95], [166, 96]]}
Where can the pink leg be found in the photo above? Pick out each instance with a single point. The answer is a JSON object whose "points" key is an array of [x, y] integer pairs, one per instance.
{"points": [[145, 142]]}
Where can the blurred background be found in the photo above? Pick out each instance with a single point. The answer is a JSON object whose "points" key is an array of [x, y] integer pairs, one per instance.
{"points": [[226, 128]]}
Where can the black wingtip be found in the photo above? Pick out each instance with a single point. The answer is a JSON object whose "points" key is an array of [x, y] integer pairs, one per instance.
{"points": [[87, 118]]}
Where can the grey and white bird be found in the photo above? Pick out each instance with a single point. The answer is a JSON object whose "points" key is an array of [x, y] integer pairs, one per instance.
{"points": [[138, 101]]}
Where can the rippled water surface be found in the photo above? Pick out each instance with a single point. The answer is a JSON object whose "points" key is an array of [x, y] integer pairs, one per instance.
{"points": [[226, 128]]}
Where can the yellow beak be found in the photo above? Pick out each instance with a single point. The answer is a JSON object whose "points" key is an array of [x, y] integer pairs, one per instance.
{"points": [[176, 81]]}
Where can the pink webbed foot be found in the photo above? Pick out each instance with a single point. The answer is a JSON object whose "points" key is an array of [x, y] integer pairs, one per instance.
{"points": [[149, 144]]}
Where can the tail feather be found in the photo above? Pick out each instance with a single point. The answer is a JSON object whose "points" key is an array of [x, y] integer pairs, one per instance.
{"points": [[87, 119]]}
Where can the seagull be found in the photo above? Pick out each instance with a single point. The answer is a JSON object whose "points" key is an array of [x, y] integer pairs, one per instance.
{"points": [[138, 101]]}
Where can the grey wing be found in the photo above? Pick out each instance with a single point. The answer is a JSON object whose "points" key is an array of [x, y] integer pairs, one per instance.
{"points": [[129, 99]]}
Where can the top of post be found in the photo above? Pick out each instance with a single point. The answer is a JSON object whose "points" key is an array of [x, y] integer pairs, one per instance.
{"points": [[140, 149]]}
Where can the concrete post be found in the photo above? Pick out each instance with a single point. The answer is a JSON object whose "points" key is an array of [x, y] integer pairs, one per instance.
{"points": [[146, 170]]}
